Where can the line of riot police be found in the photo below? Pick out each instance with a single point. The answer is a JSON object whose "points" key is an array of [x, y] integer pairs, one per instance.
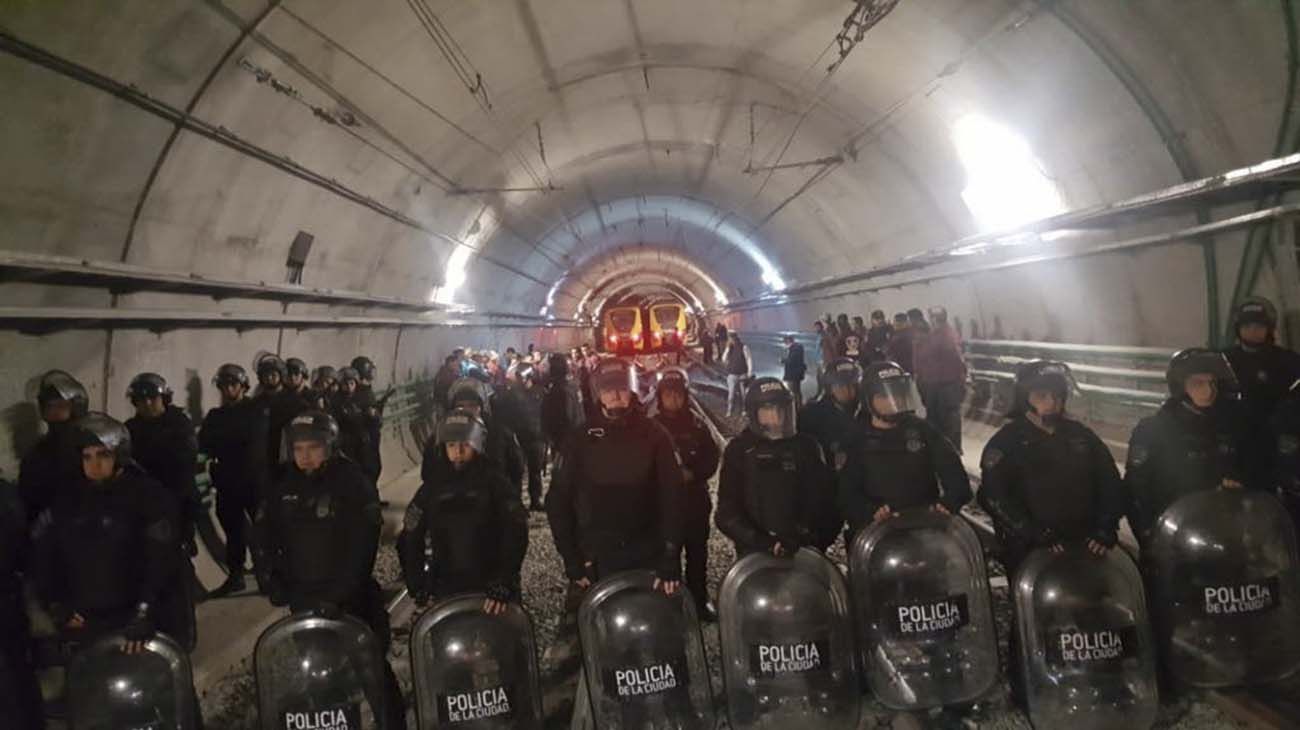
{"points": [[101, 528]]}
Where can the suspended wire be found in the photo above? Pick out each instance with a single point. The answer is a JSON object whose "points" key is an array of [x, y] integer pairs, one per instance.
{"points": [[864, 16], [469, 76]]}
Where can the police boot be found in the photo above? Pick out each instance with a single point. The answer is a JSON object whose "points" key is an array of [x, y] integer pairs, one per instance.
{"points": [[234, 584]]}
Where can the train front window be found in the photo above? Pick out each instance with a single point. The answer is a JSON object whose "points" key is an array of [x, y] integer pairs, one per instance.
{"points": [[622, 321], [667, 317]]}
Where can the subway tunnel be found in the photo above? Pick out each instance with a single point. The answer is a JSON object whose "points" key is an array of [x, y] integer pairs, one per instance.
{"points": [[193, 182]]}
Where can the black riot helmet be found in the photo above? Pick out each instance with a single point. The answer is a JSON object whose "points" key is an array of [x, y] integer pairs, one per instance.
{"points": [[675, 379], [268, 364], [365, 366], [59, 385], [1050, 375], [348, 373], [323, 374], [149, 385], [614, 374], [461, 425], [295, 366], [100, 429], [470, 390], [312, 426], [768, 392], [1256, 310], [842, 371], [889, 381], [1198, 361], [230, 374]]}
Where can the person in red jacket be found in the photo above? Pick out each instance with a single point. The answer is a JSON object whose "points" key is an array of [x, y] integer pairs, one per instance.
{"points": [[940, 372]]}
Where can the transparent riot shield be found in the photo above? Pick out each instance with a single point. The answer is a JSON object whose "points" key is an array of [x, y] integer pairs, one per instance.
{"points": [[473, 670], [1086, 649], [924, 616], [111, 690], [1225, 588], [643, 657], [787, 644], [319, 673]]}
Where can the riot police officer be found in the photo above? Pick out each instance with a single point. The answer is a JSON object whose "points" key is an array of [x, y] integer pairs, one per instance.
{"points": [[1189, 445], [699, 456], [476, 397], [1048, 479], [832, 416], [1286, 439], [163, 443], [51, 463], [894, 460], [316, 534], [356, 415], [296, 375], [366, 369], [1265, 371], [19, 692], [562, 407], [465, 530], [775, 493], [233, 435], [107, 552], [280, 406], [324, 384], [615, 500], [521, 408]]}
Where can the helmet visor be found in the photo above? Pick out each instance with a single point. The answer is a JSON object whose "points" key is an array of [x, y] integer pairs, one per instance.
{"points": [[458, 427], [894, 396], [772, 420]]}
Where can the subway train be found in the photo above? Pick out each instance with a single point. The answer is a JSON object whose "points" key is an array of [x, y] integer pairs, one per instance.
{"points": [[1099, 184]]}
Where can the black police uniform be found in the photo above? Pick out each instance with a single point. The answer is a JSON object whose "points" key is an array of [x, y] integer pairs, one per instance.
{"points": [[315, 539], [699, 455], [519, 408], [829, 423], [234, 437], [374, 459], [1045, 488], [357, 417], [1285, 429], [615, 499], [906, 467], [19, 692], [278, 408], [104, 548], [776, 491], [476, 528], [165, 447], [1265, 373], [51, 465], [1176, 452]]}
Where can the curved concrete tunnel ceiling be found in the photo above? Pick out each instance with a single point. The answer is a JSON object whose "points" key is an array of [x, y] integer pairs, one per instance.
{"points": [[556, 131]]}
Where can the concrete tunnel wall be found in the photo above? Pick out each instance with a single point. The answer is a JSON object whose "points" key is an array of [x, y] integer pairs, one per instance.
{"points": [[613, 102]]}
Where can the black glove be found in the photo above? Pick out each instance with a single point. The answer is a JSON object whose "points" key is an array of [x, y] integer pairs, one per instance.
{"points": [[1106, 537], [329, 610], [140, 627], [670, 564], [499, 592], [790, 545]]}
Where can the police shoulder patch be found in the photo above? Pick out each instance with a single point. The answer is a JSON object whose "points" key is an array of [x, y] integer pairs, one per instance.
{"points": [[1138, 454], [160, 531], [992, 457]]}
